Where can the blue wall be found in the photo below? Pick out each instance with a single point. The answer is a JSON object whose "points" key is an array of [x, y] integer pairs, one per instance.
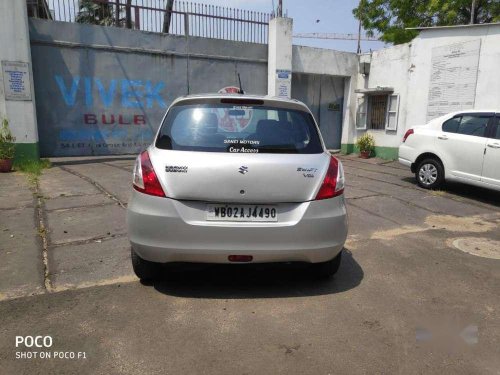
{"points": [[104, 90]]}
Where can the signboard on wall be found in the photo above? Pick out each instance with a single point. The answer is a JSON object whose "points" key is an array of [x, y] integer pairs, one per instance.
{"points": [[16, 80], [284, 83], [453, 78], [87, 104], [93, 101]]}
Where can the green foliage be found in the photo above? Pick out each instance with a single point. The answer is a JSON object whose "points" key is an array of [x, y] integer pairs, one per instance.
{"points": [[366, 142], [391, 17], [96, 13], [7, 146], [33, 168]]}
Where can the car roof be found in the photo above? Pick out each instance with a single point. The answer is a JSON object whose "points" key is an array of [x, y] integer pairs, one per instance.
{"points": [[437, 121], [272, 101], [473, 111]]}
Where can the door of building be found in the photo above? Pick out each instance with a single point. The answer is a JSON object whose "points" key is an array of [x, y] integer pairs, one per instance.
{"points": [[324, 95]]}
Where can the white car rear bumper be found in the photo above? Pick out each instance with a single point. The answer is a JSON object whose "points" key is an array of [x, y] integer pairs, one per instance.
{"points": [[405, 162]]}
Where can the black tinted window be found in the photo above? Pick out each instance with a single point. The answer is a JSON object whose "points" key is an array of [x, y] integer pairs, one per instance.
{"points": [[497, 133], [238, 129], [451, 126], [473, 125]]}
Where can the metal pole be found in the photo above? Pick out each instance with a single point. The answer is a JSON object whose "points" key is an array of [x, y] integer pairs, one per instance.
{"points": [[359, 37], [280, 8], [359, 28], [117, 13], [186, 24], [128, 14], [473, 12], [167, 19], [137, 18]]}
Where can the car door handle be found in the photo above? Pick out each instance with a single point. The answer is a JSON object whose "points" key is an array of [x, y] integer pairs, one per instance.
{"points": [[443, 137], [494, 145]]}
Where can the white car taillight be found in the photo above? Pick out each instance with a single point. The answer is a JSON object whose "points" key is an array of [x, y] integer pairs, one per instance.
{"points": [[145, 179], [334, 181], [407, 134], [137, 179]]}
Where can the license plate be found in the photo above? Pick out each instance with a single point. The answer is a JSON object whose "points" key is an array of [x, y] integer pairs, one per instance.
{"points": [[241, 212]]}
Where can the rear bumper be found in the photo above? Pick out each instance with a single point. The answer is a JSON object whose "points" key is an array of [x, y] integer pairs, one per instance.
{"points": [[407, 155], [165, 230], [405, 162]]}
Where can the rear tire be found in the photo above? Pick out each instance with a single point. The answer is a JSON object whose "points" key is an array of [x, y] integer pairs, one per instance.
{"points": [[326, 270], [430, 174], [144, 270]]}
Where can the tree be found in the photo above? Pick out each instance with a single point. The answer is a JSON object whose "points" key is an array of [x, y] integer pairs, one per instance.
{"points": [[390, 18], [103, 13], [95, 13]]}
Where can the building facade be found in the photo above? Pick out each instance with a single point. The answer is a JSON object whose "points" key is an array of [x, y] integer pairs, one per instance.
{"points": [[95, 97], [442, 70]]}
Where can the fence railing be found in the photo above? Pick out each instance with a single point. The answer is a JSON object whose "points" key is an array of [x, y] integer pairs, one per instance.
{"points": [[177, 17]]}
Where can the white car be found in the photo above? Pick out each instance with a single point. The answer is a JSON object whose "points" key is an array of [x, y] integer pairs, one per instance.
{"points": [[461, 146]]}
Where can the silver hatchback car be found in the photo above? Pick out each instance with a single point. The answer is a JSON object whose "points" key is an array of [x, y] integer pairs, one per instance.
{"points": [[237, 179]]}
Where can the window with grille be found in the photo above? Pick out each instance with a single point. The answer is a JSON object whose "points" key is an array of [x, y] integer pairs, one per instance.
{"points": [[377, 112]]}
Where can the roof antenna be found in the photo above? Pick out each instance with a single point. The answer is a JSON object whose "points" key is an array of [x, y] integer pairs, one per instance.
{"points": [[241, 88]]}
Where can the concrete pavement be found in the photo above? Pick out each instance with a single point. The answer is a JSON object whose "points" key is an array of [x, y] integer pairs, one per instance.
{"points": [[402, 273]]}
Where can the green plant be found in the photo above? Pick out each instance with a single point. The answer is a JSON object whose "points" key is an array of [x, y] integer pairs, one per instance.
{"points": [[97, 13], [7, 146], [366, 142], [32, 168], [391, 18]]}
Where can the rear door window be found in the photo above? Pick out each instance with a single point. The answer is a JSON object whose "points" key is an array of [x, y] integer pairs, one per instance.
{"points": [[451, 126], [239, 129], [496, 128], [475, 125]]}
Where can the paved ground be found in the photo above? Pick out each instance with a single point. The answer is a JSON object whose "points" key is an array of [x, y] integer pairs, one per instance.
{"points": [[65, 272]]}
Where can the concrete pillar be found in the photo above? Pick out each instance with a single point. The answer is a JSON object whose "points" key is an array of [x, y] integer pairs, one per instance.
{"points": [[17, 97], [279, 71]]}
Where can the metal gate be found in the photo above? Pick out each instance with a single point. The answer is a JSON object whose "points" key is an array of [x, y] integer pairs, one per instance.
{"points": [[324, 95]]}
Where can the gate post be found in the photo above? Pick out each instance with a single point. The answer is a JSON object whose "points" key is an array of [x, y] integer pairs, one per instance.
{"points": [[17, 96], [279, 71]]}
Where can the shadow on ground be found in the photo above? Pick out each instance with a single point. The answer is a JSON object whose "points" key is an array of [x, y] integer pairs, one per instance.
{"points": [[70, 161], [256, 280], [476, 193]]}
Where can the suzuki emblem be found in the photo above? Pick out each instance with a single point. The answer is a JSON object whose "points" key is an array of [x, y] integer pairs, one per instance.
{"points": [[243, 169]]}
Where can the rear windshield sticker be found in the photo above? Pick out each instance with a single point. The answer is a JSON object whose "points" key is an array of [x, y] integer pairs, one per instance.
{"points": [[241, 142], [243, 150]]}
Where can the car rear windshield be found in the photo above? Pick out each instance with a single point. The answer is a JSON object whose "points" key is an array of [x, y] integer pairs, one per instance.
{"points": [[239, 129]]}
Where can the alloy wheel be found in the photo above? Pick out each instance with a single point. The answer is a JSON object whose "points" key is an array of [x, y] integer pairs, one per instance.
{"points": [[428, 174]]}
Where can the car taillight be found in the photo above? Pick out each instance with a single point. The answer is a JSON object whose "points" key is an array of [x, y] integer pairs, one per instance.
{"points": [[333, 184], [407, 134], [145, 179]]}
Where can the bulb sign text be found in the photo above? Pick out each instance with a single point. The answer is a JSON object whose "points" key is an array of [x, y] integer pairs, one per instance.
{"points": [[103, 115]]}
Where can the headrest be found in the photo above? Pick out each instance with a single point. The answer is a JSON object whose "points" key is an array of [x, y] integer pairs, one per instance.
{"points": [[210, 120], [209, 124], [264, 126]]}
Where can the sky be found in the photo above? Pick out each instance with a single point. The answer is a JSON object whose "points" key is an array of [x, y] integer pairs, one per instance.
{"points": [[335, 16]]}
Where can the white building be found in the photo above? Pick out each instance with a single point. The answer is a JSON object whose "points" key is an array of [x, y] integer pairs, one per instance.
{"points": [[386, 92], [444, 69]]}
